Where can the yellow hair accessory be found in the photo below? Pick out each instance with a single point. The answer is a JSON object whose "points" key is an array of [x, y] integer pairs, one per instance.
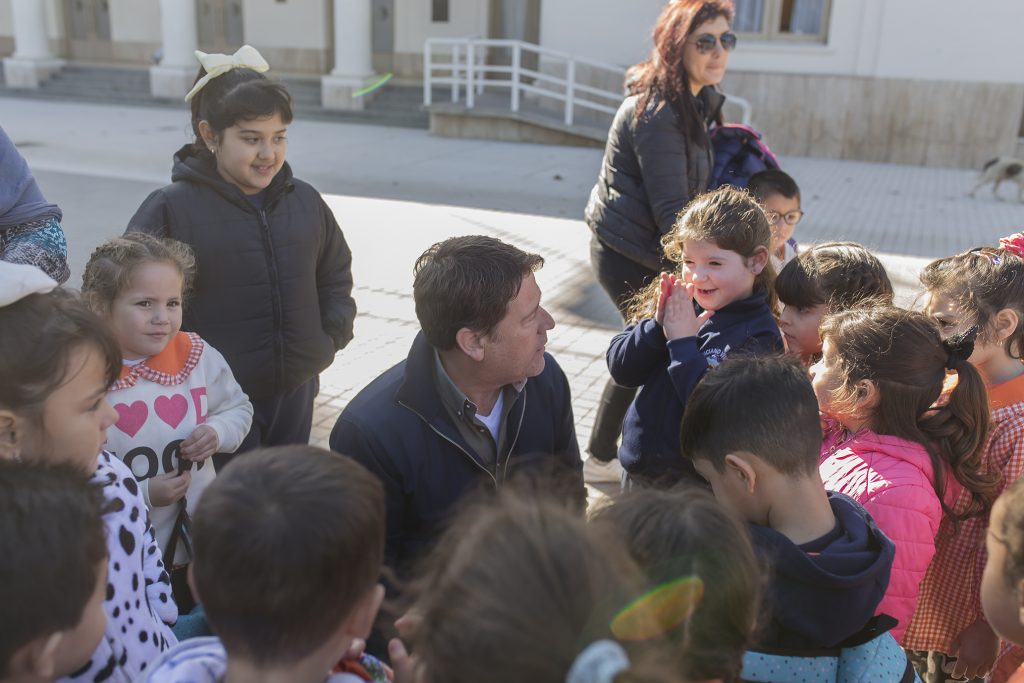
{"points": [[246, 57], [660, 610]]}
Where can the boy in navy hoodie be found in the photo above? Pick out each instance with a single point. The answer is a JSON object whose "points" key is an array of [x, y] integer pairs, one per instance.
{"points": [[752, 430]]}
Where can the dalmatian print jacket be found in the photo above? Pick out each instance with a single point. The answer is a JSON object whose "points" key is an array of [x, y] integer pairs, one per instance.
{"points": [[139, 604]]}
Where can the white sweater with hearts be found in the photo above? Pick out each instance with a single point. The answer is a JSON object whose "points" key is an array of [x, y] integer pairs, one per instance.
{"points": [[160, 402]]}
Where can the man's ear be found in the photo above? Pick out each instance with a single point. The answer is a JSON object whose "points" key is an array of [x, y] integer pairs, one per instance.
{"points": [[470, 343], [758, 260], [738, 467], [1004, 323], [10, 438], [360, 621]]}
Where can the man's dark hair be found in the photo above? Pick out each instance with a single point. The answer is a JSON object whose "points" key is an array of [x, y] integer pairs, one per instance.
{"points": [[761, 405], [773, 181], [52, 545], [287, 541], [467, 282]]}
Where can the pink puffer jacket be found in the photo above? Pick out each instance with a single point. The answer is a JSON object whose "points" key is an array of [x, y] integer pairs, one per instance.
{"points": [[892, 478]]}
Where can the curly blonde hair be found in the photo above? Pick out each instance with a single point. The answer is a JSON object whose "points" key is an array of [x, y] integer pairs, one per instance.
{"points": [[110, 267]]}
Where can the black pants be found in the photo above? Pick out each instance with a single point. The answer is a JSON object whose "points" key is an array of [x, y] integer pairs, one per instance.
{"points": [[279, 420], [620, 277]]}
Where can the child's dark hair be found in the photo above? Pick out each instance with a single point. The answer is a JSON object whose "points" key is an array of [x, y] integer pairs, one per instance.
{"points": [[683, 533], [763, 405], [516, 589], [1012, 533], [904, 355], [728, 217], [237, 95], [982, 282], [773, 181], [287, 541], [52, 546], [112, 264], [41, 332], [839, 275]]}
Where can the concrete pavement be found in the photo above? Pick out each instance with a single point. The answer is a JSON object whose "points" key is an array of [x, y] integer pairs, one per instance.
{"points": [[396, 191]]}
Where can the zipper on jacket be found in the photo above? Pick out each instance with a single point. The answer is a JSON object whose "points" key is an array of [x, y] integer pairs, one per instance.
{"points": [[515, 439], [467, 453], [275, 298]]}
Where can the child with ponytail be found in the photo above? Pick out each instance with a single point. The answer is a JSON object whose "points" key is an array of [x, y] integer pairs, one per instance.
{"points": [[524, 590], [888, 446], [721, 303], [273, 287], [981, 289]]}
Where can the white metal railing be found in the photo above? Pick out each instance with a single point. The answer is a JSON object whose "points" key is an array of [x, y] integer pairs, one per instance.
{"points": [[463, 66], [462, 61]]}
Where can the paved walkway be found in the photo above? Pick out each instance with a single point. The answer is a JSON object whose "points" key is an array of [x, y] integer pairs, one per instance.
{"points": [[397, 191]]}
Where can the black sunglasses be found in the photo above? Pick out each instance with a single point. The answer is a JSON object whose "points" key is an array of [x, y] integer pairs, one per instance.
{"points": [[706, 42]]}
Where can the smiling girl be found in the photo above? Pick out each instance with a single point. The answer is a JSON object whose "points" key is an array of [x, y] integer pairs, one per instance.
{"points": [[722, 303], [273, 288], [176, 399]]}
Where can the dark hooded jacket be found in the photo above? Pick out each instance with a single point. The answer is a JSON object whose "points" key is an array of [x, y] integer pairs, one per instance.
{"points": [[650, 171], [273, 288], [822, 593]]}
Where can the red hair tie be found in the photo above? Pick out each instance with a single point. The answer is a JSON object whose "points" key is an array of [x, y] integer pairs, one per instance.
{"points": [[1013, 243]]}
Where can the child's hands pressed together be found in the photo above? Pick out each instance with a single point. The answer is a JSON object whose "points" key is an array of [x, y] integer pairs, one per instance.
{"points": [[200, 444], [665, 290], [680, 319], [168, 488]]}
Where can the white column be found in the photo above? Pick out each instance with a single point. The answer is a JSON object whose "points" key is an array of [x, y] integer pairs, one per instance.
{"points": [[173, 77], [32, 62], [353, 55]]}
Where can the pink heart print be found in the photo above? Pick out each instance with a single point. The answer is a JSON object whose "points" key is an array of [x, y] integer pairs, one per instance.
{"points": [[131, 417], [171, 409]]}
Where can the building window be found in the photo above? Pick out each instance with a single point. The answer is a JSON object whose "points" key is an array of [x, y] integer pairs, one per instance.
{"points": [[439, 10], [783, 20]]}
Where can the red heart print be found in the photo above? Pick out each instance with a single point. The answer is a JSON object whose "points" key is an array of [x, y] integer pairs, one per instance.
{"points": [[171, 409], [131, 417]]}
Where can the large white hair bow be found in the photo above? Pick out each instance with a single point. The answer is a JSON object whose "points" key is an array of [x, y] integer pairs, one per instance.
{"points": [[18, 280], [246, 57]]}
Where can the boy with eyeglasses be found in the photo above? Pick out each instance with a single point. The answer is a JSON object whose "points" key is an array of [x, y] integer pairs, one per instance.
{"points": [[780, 196]]}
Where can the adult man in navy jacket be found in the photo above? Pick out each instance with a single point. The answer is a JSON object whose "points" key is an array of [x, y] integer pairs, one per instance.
{"points": [[476, 402]]}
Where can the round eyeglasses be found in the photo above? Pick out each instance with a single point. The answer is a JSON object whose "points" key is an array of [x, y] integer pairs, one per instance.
{"points": [[791, 218]]}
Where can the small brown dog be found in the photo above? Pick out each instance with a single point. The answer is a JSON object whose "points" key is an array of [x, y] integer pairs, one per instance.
{"points": [[1002, 169]]}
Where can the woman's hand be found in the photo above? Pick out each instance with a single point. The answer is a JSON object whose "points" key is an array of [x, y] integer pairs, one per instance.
{"points": [[975, 649], [168, 488], [200, 444], [680, 318]]}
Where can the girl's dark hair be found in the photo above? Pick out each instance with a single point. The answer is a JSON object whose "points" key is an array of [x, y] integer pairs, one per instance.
{"points": [[236, 95], [686, 532], [664, 73], [1012, 532], [110, 268], [44, 329], [903, 354], [728, 217], [982, 282], [838, 274], [516, 589]]}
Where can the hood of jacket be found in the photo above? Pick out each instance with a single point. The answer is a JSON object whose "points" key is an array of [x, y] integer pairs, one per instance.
{"points": [[819, 599], [200, 167]]}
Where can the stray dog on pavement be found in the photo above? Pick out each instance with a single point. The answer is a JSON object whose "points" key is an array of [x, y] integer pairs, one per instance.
{"points": [[1002, 169]]}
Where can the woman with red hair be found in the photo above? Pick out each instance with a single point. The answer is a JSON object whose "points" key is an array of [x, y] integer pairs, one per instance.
{"points": [[658, 158]]}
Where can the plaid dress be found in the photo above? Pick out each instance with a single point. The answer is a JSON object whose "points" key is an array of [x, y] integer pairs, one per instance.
{"points": [[950, 597]]}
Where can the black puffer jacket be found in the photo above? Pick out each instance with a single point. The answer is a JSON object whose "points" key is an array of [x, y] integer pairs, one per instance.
{"points": [[649, 173], [273, 290]]}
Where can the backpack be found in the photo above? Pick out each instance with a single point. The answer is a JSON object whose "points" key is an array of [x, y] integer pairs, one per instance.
{"points": [[739, 153]]}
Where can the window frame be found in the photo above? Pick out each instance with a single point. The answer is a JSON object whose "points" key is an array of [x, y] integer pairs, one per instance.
{"points": [[771, 18]]}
